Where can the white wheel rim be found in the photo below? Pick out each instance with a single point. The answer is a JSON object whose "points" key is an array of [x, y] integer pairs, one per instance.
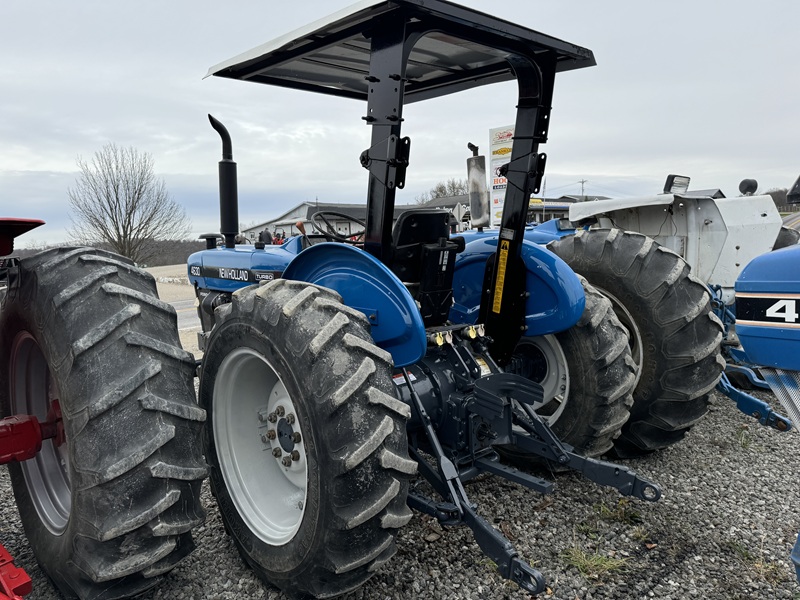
{"points": [[269, 496]]}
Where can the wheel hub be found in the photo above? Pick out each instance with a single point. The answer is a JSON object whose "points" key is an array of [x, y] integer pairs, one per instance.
{"points": [[541, 359], [286, 435]]}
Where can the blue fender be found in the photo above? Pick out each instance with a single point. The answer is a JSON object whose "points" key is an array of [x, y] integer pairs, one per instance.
{"points": [[547, 232], [541, 234], [366, 285], [556, 299]]}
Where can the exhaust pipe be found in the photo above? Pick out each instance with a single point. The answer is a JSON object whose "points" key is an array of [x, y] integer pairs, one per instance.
{"points": [[228, 188], [478, 194]]}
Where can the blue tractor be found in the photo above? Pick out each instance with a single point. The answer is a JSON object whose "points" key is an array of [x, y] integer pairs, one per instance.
{"points": [[768, 325], [334, 371]]}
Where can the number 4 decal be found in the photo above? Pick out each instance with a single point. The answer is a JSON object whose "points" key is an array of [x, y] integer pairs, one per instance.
{"points": [[783, 309]]}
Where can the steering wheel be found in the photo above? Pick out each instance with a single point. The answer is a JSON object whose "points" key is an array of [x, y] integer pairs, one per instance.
{"points": [[320, 222]]}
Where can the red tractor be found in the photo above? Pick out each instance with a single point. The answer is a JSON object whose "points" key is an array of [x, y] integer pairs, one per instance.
{"points": [[20, 436], [100, 428]]}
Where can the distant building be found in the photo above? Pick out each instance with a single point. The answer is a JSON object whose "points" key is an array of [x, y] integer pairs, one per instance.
{"points": [[538, 212], [286, 223]]}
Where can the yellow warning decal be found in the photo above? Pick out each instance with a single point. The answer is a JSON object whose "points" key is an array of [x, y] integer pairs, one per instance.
{"points": [[485, 370], [501, 276]]}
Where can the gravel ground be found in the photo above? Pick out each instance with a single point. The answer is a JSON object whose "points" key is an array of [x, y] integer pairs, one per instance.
{"points": [[722, 531]]}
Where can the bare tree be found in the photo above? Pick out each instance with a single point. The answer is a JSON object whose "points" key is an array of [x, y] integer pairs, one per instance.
{"points": [[444, 189], [118, 201], [778, 196]]}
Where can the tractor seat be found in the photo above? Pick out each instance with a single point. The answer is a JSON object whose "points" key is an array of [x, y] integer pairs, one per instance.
{"points": [[413, 229]]}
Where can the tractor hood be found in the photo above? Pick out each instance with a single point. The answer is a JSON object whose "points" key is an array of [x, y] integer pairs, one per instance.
{"points": [[227, 269]]}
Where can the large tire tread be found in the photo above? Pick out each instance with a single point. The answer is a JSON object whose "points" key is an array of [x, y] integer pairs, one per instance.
{"points": [[682, 361], [608, 372], [348, 378], [132, 425]]}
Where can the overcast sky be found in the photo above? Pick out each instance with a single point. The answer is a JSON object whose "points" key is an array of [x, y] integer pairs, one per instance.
{"points": [[706, 89]]}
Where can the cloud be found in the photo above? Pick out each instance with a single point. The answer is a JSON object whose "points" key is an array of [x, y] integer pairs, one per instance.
{"points": [[706, 90]]}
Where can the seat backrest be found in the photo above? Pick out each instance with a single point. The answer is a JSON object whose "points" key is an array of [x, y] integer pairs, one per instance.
{"points": [[413, 229]]}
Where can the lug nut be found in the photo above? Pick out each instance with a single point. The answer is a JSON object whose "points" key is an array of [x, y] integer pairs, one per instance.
{"points": [[276, 452], [287, 462], [295, 455], [290, 419], [296, 437], [263, 415], [271, 434], [272, 418], [279, 411]]}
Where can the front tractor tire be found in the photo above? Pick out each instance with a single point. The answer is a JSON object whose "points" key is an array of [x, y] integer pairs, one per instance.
{"points": [[675, 336], [108, 506], [587, 373], [307, 440]]}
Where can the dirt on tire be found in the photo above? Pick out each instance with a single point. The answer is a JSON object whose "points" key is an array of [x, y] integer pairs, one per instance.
{"points": [[679, 335], [111, 509], [352, 427]]}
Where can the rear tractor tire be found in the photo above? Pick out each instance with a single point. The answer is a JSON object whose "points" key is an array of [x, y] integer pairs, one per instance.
{"points": [[675, 336], [588, 372], [307, 440], [108, 507]]}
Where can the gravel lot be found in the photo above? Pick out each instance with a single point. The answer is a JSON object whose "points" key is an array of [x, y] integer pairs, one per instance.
{"points": [[723, 530]]}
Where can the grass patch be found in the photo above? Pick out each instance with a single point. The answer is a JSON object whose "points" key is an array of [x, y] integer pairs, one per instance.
{"points": [[622, 512], [766, 570], [592, 565], [741, 551], [744, 437], [640, 534], [771, 572], [587, 529]]}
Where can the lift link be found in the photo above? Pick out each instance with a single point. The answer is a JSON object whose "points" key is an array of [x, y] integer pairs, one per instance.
{"points": [[541, 440], [460, 509], [447, 469], [750, 405]]}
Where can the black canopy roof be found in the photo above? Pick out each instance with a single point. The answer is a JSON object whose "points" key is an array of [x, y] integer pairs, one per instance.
{"points": [[463, 48]]}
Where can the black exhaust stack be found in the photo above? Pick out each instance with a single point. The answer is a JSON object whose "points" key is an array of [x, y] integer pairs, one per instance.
{"points": [[228, 188]]}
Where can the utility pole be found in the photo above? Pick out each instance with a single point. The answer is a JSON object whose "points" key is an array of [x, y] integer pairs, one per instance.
{"points": [[544, 199], [582, 181]]}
